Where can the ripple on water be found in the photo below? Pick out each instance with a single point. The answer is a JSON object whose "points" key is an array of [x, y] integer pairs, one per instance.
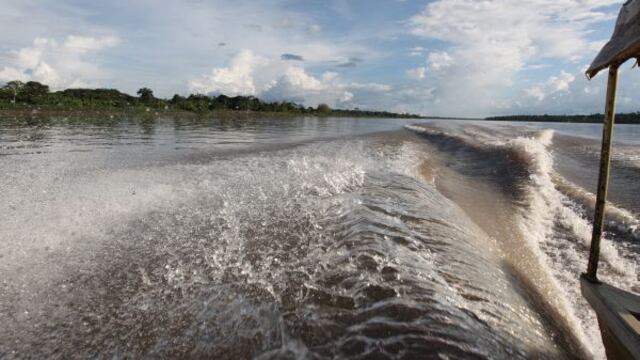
{"points": [[330, 250]]}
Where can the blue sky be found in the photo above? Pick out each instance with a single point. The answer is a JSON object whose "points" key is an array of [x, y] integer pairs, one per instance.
{"points": [[438, 57]]}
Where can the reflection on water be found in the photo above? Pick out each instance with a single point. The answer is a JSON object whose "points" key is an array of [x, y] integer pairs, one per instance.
{"points": [[168, 134]]}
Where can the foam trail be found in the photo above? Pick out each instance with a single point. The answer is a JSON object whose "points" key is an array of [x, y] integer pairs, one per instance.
{"points": [[553, 225], [618, 218], [328, 250], [537, 217], [333, 248], [549, 208]]}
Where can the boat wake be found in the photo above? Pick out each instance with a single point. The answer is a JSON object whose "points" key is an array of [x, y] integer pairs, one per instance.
{"points": [[463, 242], [335, 249], [552, 215]]}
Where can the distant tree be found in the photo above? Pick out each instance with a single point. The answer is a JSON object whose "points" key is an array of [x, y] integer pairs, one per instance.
{"points": [[33, 92], [146, 95], [14, 88], [221, 102], [324, 108], [177, 99]]}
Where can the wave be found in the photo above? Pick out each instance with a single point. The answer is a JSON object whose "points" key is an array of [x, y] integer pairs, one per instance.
{"points": [[552, 222], [340, 248], [617, 218], [328, 250]]}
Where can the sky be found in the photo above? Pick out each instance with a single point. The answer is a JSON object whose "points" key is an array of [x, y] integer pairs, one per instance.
{"points": [[468, 58]]}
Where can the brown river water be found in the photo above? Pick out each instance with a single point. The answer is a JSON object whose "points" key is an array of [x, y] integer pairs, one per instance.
{"points": [[306, 238]]}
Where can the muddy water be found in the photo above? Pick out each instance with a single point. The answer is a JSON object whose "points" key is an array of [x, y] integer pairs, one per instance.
{"points": [[299, 238]]}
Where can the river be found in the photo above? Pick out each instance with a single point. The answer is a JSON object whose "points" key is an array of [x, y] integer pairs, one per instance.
{"points": [[307, 238]]}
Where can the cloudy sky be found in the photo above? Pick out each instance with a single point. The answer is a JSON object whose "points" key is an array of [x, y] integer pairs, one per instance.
{"points": [[438, 57]]}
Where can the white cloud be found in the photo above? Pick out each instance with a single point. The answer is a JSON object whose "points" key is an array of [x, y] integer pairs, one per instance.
{"points": [[236, 79], [480, 57], [275, 80], [68, 64], [297, 78], [553, 85], [535, 92], [170, 42], [571, 92], [297, 85], [492, 41], [417, 73], [561, 82], [86, 44], [417, 51], [537, 66], [439, 60], [436, 61], [369, 87], [10, 73]]}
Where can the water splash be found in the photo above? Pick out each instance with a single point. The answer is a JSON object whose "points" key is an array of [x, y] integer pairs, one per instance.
{"points": [[334, 249]]}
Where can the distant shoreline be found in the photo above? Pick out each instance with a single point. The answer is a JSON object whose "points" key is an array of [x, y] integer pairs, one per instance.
{"points": [[141, 112], [151, 113], [33, 98], [622, 118], [38, 112]]}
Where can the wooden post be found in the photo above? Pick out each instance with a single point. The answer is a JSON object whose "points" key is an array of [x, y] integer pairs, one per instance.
{"points": [[603, 179]]}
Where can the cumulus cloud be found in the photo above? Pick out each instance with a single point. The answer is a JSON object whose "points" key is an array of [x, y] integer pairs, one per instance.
{"points": [[476, 57], [439, 60], [417, 51], [417, 73], [295, 84], [170, 42], [570, 91], [273, 80], [561, 82], [86, 44], [492, 41], [554, 85], [60, 65], [535, 92], [235, 79]]}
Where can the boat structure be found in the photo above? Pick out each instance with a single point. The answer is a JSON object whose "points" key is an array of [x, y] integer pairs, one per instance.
{"points": [[617, 310]]}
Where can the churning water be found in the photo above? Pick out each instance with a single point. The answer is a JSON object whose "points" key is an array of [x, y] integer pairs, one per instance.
{"points": [[305, 238]]}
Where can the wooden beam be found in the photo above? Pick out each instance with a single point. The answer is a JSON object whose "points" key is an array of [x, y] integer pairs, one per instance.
{"points": [[603, 179], [616, 311]]}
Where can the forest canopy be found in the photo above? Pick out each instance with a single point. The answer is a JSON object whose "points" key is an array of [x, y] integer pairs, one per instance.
{"points": [[27, 95]]}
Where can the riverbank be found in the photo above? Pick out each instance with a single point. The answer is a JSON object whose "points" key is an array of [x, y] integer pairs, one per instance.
{"points": [[31, 98], [91, 115]]}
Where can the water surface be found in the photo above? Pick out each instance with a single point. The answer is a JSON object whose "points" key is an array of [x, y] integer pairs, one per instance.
{"points": [[305, 238]]}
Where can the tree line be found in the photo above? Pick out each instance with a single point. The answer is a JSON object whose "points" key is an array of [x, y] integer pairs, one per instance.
{"points": [[21, 95], [622, 118]]}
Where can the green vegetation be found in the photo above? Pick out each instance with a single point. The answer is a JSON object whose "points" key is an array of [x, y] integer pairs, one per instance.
{"points": [[16, 96], [628, 118]]}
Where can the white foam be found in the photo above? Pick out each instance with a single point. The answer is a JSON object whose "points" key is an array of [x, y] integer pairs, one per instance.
{"points": [[566, 260], [538, 217], [621, 219]]}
